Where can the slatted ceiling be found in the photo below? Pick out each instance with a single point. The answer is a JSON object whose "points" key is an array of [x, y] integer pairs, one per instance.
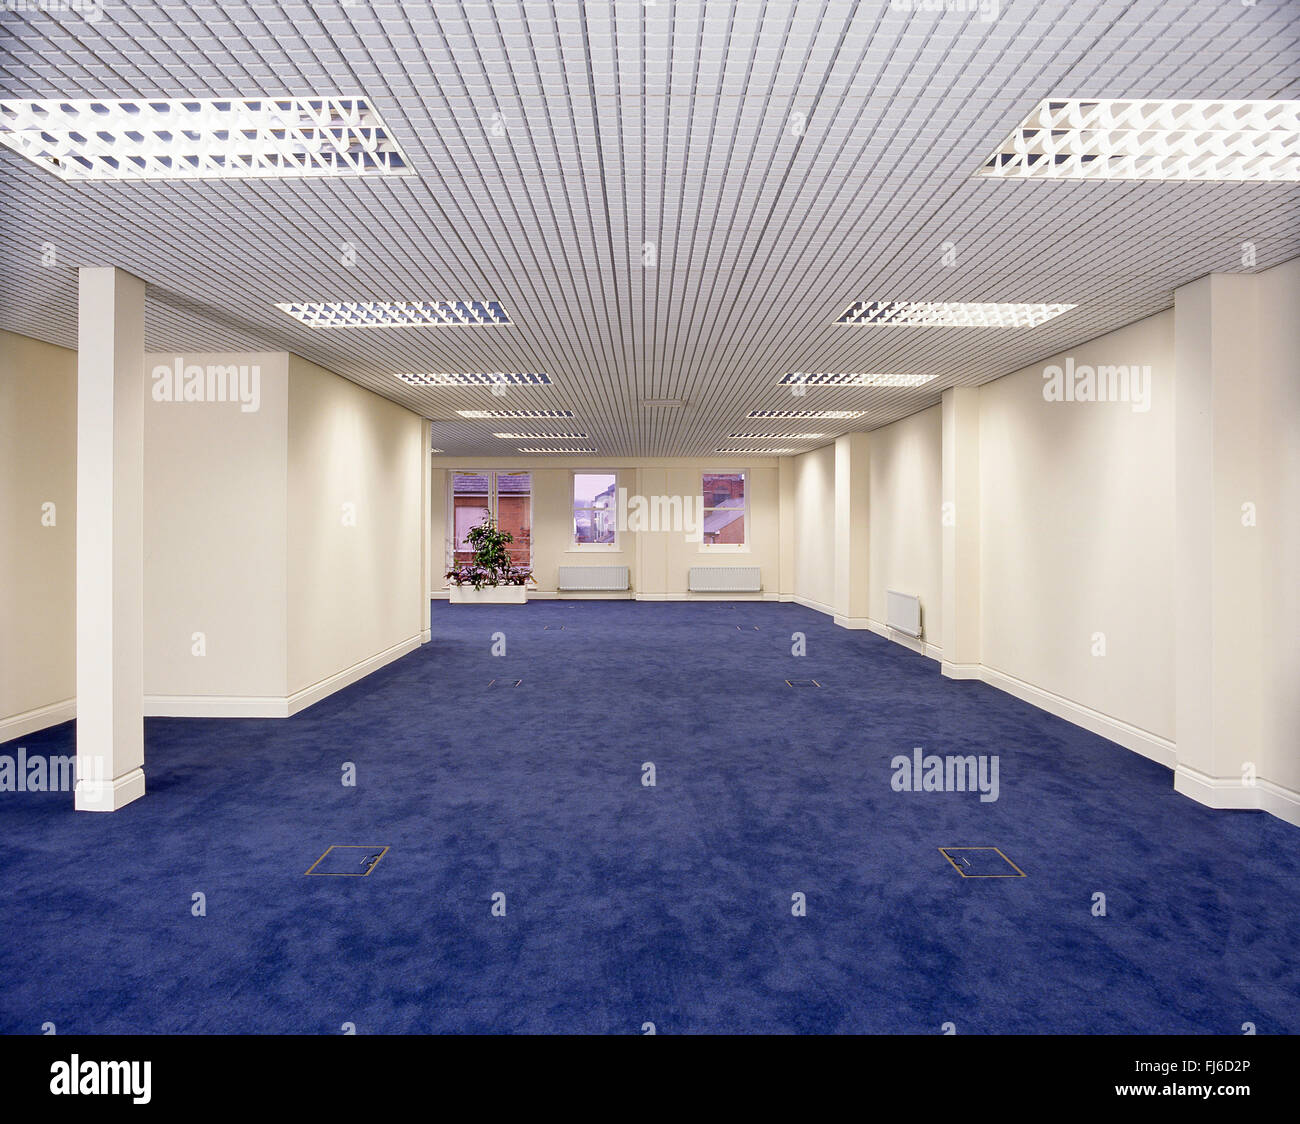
{"points": [[668, 124]]}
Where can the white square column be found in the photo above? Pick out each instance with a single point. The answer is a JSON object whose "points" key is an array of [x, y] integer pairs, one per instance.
{"points": [[785, 524], [426, 530], [1222, 476], [960, 519], [110, 540], [852, 530]]}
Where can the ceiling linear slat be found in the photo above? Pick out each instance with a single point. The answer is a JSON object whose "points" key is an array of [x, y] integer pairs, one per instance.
{"points": [[798, 271], [572, 360], [637, 123]]}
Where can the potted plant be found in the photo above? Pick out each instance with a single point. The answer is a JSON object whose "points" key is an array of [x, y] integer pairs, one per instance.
{"points": [[491, 577]]}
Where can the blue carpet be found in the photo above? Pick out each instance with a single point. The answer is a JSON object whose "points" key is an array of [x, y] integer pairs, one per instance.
{"points": [[626, 904]]}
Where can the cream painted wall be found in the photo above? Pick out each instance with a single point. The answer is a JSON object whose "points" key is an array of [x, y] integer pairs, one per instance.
{"points": [[38, 465], [1077, 535], [906, 491], [814, 528], [214, 518], [354, 573], [658, 562], [1278, 293]]}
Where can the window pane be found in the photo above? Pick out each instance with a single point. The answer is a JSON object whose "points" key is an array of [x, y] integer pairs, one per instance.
{"points": [[720, 487], [514, 513], [595, 507], [470, 505], [724, 508]]}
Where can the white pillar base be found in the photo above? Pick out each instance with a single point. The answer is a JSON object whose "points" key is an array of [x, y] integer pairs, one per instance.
{"points": [[109, 796]]}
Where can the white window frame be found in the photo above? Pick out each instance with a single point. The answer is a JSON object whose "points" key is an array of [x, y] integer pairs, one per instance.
{"points": [[576, 547], [491, 474], [726, 547]]}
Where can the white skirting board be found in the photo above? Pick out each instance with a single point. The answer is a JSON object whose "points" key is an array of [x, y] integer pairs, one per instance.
{"points": [[1214, 792], [39, 718], [272, 706], [706, 597], [1233, 793]]}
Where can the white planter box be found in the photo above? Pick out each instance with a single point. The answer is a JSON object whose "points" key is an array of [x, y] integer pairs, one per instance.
{"points": [[488, 595]]}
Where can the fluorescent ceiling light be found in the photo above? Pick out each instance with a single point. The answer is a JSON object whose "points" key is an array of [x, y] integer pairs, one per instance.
{"points": [[400, 314], [776, 436], [435, 450], [801, 379], [494, 378], [515, 413], [839, 414], [939, 314], [759, 452], [542, 436], [539, 450], [663, 403], [1122, 139], [201, 138]]}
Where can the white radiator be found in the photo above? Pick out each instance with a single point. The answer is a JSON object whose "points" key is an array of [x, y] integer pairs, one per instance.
{"points": [[725, 579], [593, 578], [903, 613]]}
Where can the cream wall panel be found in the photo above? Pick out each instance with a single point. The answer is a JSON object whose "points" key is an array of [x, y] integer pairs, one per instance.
{"points": [[906, 548], [38, 578], [1077, 534], [353, 590], [215, 509], [814, 527]]}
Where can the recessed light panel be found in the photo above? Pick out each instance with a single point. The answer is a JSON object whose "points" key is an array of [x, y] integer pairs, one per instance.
{"points": [[801, 379], [774, 436], [400, 314], [546, 450], [494, 378], [759, 452], [939, 314], [201, 138], [515, 413], [1117, 139], [835, 414], [542, 436]]}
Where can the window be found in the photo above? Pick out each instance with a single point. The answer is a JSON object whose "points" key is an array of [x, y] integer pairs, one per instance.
{"points": [[507, 496], [726, 510], [595, 510]]}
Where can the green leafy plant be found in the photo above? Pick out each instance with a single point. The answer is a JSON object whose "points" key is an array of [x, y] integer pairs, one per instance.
{"points": [[492, 564]]}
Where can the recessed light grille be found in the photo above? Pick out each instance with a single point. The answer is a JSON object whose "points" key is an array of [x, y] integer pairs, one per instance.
{"points": [[939, 314], [493, 378], [799, 378], [758, 452], [1119, 139], [201, 138], [399, 314], [540, 449], [836, 414], [542, 436], [774, 436], [515, 413]]}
